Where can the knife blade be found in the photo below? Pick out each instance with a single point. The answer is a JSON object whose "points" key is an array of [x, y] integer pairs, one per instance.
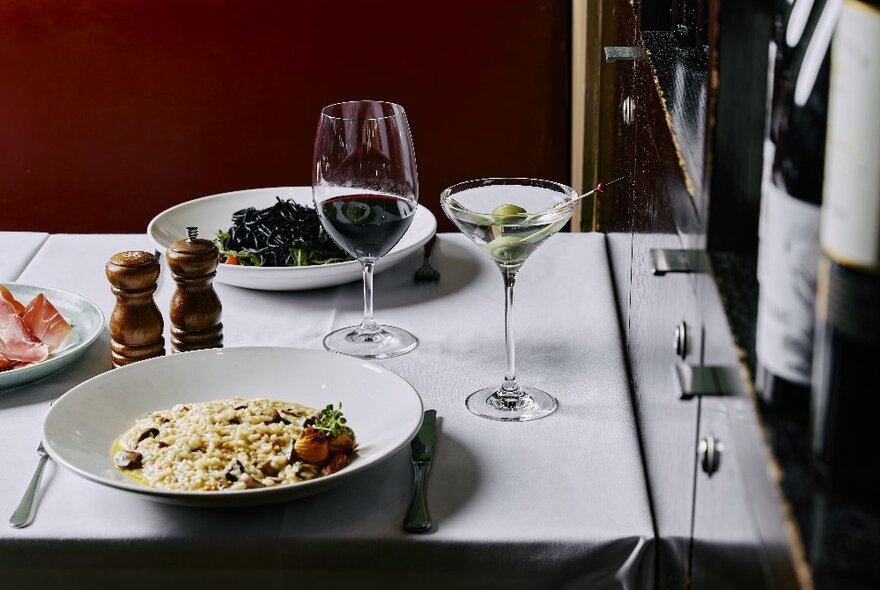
{"points": [[418, 517]]}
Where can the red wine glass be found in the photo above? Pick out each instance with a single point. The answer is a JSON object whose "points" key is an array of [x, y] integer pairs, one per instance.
{"points": [[366, 190]]}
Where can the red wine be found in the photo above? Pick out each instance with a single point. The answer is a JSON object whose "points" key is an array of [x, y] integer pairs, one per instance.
{"points": [[367, 226]]}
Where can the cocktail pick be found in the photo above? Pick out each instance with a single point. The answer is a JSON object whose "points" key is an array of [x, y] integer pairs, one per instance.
{"points": [[603, 185], [553, 228], [600, 188]]}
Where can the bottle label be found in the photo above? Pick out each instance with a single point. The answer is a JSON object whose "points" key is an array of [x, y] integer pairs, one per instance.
{"points": [[787, 262], [851, 196]]}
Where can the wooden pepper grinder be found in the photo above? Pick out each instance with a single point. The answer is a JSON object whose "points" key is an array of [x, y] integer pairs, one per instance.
{"points": [[136, 323], [195, 308]]}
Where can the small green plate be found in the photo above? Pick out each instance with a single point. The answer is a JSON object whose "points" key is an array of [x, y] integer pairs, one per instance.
{"points": [[84, 317]]}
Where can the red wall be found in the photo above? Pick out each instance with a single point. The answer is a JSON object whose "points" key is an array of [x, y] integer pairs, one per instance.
{"points": [[113, 110]]}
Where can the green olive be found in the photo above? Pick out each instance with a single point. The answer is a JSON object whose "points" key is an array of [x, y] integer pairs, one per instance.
{"points": [[507, 214], [356, 211], [509, 249]]}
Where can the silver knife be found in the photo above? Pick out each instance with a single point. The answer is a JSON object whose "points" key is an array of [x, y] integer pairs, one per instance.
{"points": [[418, 518]]}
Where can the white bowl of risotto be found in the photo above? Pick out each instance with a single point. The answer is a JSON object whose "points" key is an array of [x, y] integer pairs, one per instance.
{"points": [[214, 446]]}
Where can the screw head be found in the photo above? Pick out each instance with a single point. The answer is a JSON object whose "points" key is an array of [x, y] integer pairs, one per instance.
{"points": [[680, 343], [709, 450], [628, 109]]}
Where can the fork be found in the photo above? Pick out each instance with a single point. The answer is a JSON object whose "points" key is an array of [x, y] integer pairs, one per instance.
{"points": [[427, 273], [24, 514]]}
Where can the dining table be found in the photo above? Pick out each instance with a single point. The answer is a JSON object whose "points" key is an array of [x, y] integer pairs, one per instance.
{"points": [[559, 502]]}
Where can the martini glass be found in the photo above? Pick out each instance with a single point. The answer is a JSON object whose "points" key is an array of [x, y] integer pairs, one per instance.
{"points": [[365, 187], [508, 218]]}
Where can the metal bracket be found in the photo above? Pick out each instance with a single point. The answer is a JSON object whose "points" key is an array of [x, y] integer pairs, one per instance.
{"points": [[682, 261], [693, 381], [616, 53]]}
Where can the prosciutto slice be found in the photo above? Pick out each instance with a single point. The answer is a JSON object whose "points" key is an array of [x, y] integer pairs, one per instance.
{"points": [[17, 343], [47, 325], [7, 295]]}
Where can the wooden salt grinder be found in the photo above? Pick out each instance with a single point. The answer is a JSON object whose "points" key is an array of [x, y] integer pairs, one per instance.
{"points": [[136, 323], [195, 308]]}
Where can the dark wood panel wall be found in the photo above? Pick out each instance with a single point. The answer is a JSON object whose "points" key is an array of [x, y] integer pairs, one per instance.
{"points": [[113, 110], [638, 216]]}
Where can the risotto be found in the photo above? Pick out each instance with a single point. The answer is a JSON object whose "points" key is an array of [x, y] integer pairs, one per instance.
{"points": [[234, 444]]}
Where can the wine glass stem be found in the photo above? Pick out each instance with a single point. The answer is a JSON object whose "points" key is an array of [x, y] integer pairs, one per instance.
{"points": [[510, 388], [368, 325]]}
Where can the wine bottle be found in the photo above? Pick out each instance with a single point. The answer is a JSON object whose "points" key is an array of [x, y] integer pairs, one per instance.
{"points": [[789, 230], [775, 71], [846, 391]]}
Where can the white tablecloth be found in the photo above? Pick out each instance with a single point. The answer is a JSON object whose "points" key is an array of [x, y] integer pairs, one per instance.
{"points": [[18, 247], [556, 503]]}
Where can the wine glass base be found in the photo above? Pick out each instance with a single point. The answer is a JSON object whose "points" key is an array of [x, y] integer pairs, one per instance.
{"points": [[387, 343], [532, 405]]}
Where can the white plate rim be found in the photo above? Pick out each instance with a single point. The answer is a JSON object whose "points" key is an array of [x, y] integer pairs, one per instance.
{"points": [[231, 498], [290, 277], [35, 371]]}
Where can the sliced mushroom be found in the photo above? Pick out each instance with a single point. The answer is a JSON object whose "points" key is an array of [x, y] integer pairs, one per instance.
{"points": [[251, 482], [127, 459], [273, 416], [234, 471], [307, 471], [268, 468], [149, 432], [292, 413], [290, 451]]}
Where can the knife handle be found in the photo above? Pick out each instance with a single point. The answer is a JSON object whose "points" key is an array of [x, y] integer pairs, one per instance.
{"points": [[418, 518]]}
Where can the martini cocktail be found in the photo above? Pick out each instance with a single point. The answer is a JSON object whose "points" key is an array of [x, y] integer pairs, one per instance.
{"points": [[508, 218]]}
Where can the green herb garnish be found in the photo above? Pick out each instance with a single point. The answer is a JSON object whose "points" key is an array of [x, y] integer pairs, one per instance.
{"points": [[330, 422]]}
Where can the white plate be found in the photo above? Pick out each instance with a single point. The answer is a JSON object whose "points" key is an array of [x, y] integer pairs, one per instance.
{"points": [[382, 408], [214, 213], [84, 317]]}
